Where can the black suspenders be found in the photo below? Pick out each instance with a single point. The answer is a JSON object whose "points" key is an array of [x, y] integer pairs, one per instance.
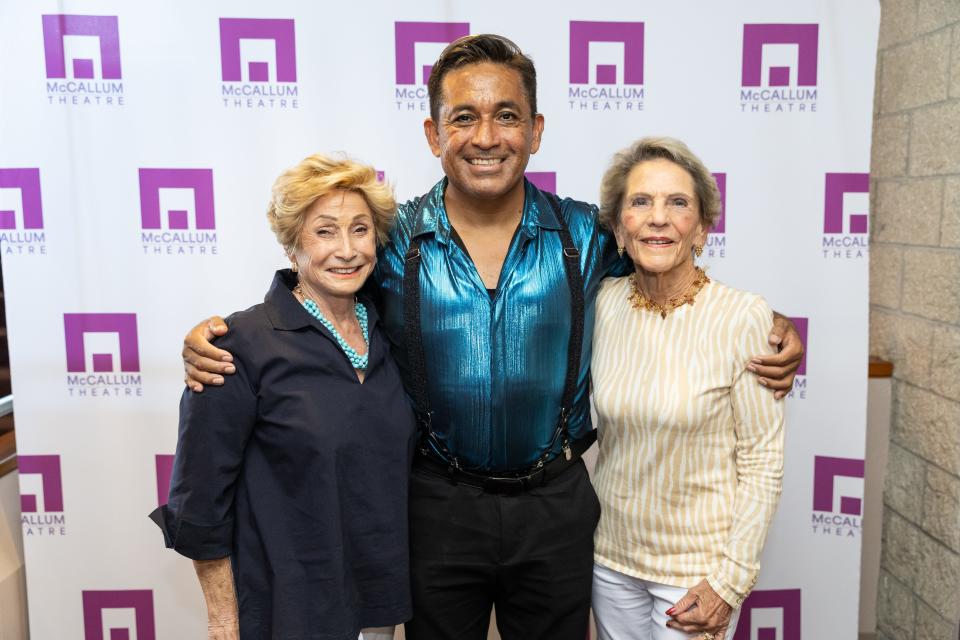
{"points": [[414, 339]]}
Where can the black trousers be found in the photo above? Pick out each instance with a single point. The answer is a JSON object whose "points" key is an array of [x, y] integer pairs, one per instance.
{"points": [[530, 554]]}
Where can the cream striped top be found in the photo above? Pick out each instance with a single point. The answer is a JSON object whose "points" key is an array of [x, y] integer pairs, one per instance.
{"points": [[691, 446]]}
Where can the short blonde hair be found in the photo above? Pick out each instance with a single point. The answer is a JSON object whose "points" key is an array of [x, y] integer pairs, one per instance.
{"points": [[614, 182], [298, 188]]}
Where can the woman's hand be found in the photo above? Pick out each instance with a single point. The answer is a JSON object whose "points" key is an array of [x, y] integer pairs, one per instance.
{"points": [[226, 630], [701, 610], [203, 363], [777, 372], [219, 592]]}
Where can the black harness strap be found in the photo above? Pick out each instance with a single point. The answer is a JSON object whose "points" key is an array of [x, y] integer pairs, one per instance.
{"points": [[571, 264], [415, 358]]}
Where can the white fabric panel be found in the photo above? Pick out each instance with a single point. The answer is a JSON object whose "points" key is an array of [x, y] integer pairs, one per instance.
{"points": [[155, 100]]}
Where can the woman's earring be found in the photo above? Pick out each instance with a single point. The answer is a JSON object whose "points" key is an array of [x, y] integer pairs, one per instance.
{"points": [[698, 249], [293, 267], [620, 250]]}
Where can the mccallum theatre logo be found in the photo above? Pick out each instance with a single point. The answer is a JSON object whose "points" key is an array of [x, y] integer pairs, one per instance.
{"points": [[164, 465], [21, 212], [258, 63], [170, 199], [417, 45], [543, 180], [770, 615], [799, 390], [716, 246], [835, 511], [41, 512], [779, 72], [606, 66], [845, 231], [107, 615], [92, 341], [83, 60]]}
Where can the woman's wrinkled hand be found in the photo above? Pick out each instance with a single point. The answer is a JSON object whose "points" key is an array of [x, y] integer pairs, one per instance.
{"points": [[701, 610], [223, 630]]}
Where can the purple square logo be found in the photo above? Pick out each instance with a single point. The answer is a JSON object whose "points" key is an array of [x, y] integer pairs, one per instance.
{"points": [[77, 325], [104, 28], [96, 602], [825, 470], [630, 34], [835, 218], [280, 31], [200, 181], [804, 37], [48, 468], [164, 465], [543, 180], [770, 615], [803, 326], [720, 226], [27, 181], [406, 37]]}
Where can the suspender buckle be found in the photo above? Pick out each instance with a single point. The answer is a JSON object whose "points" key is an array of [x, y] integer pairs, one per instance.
{"points": [[571, 252], [413, 253]]}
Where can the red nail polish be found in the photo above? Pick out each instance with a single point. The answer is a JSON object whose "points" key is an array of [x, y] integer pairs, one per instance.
{"points": [[670, 611]]}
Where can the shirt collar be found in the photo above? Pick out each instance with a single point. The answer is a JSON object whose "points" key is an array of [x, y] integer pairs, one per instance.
{"points": [[287, 314], [431, 216]]}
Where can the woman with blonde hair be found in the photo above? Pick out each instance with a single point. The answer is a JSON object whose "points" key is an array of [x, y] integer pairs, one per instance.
{"points": [[691, 448], [289, 487]]}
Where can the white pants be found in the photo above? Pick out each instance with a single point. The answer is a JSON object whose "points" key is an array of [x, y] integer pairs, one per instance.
{"points": [[628, 608], [376, 633]]}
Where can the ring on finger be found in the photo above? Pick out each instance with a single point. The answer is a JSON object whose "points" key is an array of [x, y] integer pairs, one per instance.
{"points": [[707, 636]]}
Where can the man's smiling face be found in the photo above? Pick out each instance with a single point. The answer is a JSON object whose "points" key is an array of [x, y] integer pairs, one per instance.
{"points": [[484, 133]]}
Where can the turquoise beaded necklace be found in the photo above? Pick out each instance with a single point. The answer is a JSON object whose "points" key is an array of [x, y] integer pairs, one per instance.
{"points": [[358, 361]]}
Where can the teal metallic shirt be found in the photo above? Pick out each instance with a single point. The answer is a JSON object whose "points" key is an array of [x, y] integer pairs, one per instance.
{"points": [[495, 365]]}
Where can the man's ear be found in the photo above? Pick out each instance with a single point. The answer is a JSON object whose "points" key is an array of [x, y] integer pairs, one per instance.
{"points": [[537, 133], [432, 134]]}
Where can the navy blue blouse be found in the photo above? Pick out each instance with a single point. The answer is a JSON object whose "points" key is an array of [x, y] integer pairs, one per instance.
{"points": [[299, 473]]}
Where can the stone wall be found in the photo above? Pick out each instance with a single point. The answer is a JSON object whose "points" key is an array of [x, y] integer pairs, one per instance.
{"points": [[915, 312]]}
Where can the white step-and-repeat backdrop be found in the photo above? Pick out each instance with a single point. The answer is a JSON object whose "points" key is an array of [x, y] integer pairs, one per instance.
{"points": [[139, 143]]}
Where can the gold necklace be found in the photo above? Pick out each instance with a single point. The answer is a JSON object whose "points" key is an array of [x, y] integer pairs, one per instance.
{"points": [[640, 301]]}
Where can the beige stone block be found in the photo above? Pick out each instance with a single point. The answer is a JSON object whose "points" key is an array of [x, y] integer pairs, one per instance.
{"points": [[898, 21], [899, 553], [886, 265], [916, 73], [888, 153], [896, 608], [908, 211], [935, 140], [931, 287], [904, 484], [931, 625], [905, 341], [945, 362], [936, 14], [950, 224], [938, 577], [955, 70], [941, 508], [928, 425]]}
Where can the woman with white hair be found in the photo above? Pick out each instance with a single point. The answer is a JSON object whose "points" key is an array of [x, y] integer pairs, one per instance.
{"points": [[691, 448]]}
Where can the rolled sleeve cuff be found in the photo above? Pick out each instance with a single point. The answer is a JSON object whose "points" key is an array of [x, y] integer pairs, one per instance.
{"points": [[733, 596], [195, 541]]}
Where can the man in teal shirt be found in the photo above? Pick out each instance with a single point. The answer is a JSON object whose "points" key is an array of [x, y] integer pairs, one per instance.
{"points": [[485, 287]]}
